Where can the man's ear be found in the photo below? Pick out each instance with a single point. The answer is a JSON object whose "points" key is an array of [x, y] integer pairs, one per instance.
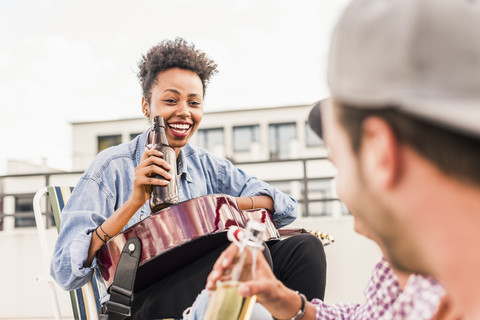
{"points": [[145, 107], [380, 153]]}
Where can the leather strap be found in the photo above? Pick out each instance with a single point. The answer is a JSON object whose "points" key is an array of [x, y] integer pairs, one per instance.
{"points": [[121, 290]]}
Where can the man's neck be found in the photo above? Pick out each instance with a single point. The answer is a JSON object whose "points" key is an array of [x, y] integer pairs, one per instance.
{"points": [[444, 216], [458, 252]]}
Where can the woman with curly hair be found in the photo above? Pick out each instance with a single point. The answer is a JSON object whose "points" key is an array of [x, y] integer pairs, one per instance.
{"points": [[113, 193]]}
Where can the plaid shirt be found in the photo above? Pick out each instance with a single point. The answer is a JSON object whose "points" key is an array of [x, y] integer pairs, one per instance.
{"points": [[385, 299]]}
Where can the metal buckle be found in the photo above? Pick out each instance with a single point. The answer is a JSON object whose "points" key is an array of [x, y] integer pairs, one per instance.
{"points": [[120, 290], [118, 308]]}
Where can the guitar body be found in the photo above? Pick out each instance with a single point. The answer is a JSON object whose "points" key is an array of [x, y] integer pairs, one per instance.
{"points": [[178, 235]]}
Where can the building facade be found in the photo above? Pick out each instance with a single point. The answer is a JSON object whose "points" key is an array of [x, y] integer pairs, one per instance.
{"points": [[274, 144]]}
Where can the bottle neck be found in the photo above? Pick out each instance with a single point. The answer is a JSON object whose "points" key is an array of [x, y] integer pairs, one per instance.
{"points": [[160, 136], [249, 244]]}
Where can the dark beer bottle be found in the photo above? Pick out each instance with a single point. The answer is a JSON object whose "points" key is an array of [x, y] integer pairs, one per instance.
{"points": [[163, 196]]}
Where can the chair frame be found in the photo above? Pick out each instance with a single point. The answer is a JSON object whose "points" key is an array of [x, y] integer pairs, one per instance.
{"points": [[90, 305]]}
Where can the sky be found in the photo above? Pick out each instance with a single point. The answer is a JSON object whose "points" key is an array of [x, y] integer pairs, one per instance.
{"points": [[69, 61]]}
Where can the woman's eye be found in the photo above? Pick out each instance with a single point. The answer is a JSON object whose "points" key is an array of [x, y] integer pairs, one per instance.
{"points": [[171, 101], [195, 103]]}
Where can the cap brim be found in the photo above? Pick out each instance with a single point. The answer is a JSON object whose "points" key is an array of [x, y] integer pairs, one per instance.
{"points": [[315, 117]]}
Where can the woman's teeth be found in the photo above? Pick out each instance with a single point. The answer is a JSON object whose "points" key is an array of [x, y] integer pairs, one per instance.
{"points": [[180, 128]]}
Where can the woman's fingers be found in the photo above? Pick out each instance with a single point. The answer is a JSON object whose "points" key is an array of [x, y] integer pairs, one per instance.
{"points": [[150, 152], [147, 173], [153, 174], [153, 164], [154, 156]]}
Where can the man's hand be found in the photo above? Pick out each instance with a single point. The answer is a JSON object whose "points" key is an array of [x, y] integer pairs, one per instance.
{"points": [[280, 301]]}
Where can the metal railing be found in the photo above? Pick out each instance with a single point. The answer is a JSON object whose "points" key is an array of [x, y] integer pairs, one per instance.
{"points": [[304, 200], [302, 181], [24, 187]]}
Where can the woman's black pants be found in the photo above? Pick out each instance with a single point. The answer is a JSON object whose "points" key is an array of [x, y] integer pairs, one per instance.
{"points": [[298, 261]]}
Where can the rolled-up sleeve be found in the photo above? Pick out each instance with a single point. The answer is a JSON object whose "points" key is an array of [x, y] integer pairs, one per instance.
{"points": [[80, 216]]}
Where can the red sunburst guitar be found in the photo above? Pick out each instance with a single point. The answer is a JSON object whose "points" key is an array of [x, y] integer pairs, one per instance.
{"points": [[180, 234]]}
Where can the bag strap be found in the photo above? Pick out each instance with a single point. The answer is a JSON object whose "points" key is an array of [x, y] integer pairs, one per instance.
{"points": [[121, 290]]}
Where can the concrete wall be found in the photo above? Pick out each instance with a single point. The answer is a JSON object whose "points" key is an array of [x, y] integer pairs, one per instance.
{"points": [[350, 261], [22, 297]]}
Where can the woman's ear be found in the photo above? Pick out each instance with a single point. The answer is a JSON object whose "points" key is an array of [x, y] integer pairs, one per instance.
{"points": [[145, 107]]}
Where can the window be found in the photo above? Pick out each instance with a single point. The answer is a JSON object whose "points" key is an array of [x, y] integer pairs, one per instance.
{"points": [[284, 186], [24, 211], [312, 140], [243, 136], [320, 189], [280, 136], [107, 141], [210, 138]]}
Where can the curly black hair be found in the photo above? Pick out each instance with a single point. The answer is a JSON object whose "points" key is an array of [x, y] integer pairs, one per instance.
{"points": [[173, 54]]}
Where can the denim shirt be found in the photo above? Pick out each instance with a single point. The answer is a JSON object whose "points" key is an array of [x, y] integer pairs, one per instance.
{"points": [[108, 182]]}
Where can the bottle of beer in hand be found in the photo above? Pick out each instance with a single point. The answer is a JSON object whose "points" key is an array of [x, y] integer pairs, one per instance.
{"points": [[225, 302], [163, 196]]}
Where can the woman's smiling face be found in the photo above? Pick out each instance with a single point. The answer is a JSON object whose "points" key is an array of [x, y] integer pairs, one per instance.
{"points": [[177, 96]]}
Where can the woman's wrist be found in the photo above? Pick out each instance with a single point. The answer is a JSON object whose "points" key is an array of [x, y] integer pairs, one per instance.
{"points": [[245, 203], [255, 202], [132, 206]]}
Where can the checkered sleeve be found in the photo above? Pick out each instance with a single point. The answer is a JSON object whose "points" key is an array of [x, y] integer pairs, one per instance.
{"points": [[335, 311], [380, 294]]}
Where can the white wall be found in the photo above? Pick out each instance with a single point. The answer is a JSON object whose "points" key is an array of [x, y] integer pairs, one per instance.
{"points": [[21, 296], [350, 261]]}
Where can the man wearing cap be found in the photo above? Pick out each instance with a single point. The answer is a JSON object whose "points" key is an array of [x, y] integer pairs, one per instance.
{"points": [[403, 130]]}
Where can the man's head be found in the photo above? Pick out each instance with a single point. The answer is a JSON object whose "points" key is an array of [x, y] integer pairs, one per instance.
{"points": [[421, 57], [403, 124]]}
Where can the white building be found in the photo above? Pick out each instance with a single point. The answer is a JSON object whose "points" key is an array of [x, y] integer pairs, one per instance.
{"points": [[243, 135], [274, 144]]}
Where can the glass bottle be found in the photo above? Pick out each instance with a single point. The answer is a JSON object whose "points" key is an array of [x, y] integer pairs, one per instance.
{"points": [[225, 302], [163, 196]]}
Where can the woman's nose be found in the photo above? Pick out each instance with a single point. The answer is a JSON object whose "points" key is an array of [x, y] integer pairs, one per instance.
{"points": [[183, 110]]}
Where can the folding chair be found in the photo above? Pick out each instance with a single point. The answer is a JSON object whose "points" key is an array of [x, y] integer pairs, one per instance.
{"points": [[86, 300]]}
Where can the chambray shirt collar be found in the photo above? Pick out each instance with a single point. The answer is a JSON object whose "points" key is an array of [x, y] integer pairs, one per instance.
{"points": [[141, 147], [182, 164]]}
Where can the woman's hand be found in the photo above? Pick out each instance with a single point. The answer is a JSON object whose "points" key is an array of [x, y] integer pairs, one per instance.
{"points": [[151, 163], [280, 301]]}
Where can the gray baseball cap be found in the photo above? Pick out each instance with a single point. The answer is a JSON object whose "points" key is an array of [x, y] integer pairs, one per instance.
{"points": [[421, 56]]}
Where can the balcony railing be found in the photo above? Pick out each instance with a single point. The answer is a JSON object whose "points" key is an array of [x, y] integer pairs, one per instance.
{"points": [[305, 180]]}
